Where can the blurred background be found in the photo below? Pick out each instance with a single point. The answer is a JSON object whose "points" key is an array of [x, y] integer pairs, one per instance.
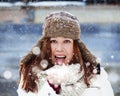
{"points": [[21, 26]]}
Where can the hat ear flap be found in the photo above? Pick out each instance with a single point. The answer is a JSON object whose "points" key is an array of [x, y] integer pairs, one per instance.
{"points": [[89, 57], [33, 52]]}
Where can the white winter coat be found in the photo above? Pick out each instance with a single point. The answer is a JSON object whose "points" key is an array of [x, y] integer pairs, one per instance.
{"points": [[75, 86]]}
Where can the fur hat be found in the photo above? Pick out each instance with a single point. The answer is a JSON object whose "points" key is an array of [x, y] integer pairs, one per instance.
{"points": [[61, 24]]}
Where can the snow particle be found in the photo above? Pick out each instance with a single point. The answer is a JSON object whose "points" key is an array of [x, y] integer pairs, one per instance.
{"points": [[98, 60], [44, 63], [95, 71], [7, 74], [88, 64], [36, 50]]}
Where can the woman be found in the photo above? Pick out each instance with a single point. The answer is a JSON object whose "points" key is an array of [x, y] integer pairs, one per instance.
{"points": [[60, 64]]}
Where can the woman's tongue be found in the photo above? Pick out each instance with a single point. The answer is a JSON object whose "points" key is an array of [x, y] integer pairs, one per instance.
{"points": [[60, 60]]}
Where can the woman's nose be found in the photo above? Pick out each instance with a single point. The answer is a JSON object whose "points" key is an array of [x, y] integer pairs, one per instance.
{"points": [[59, 47]]}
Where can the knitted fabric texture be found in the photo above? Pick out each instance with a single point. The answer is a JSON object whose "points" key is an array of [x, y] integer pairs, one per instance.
{"points": [[61, 24]]}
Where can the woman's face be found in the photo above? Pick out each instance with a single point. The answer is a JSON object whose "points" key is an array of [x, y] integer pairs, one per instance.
{"points": [[61, 50]]}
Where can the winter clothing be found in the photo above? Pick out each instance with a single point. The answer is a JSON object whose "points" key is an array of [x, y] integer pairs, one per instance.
{"points": [[61, 24], [73, 86]]}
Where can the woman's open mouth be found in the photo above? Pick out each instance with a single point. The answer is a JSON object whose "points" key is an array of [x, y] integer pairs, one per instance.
{"points": [[60, 60]]}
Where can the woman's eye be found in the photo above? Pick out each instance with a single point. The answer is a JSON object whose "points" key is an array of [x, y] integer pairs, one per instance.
{"points": [[53, 41], [67, 41]]}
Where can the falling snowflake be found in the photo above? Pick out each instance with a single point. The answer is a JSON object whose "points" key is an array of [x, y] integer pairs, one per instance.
{"points": [[35, 69], [56, 85], [88, 64], [98, 60], [112, 57], [36, 50], [7, 74], [95, 71], [44, 63]]}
